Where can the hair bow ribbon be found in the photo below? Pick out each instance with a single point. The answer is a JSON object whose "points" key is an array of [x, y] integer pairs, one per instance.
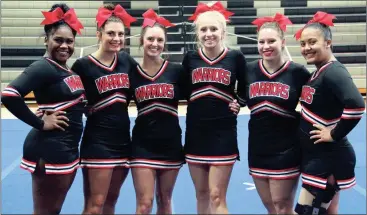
{"points": [[150, 18], [69, 17], [319, 17], [201, 8], [103, 15], [282, 21]]}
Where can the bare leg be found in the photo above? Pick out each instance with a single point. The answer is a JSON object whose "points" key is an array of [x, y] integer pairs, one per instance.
{"points": [[200, 177], [144, 179], [334, 206], [263, 189], [165, 183], [118, 177], [96, 185], [49, 191], [282, 194], [219, 177]]}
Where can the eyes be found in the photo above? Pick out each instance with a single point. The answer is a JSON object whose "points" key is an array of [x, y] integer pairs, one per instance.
{"points": [[310, 42], [61, 40], [113, 33], [151, 39], [211, 28], [271, 41]]}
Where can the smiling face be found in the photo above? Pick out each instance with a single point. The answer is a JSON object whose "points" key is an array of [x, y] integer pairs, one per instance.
{"points": [[153, 41], [210, 34], [210, 29], [270, 44], [314, 47], [60, 44], [112, 36]]}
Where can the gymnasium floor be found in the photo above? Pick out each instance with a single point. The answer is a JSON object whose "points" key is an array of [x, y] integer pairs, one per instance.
{"points": [[242, 196]]}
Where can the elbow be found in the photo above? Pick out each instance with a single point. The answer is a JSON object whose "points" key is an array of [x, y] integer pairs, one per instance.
{"points": [[356, 103], [4, 99]]}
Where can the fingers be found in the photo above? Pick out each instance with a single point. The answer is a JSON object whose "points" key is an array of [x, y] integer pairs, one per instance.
{"points": [[59, 112], [234, 106], [62, 118], [59, 127], [237, 109], [315, 137], [315, 132], [39, 113], [60, 122], [318, 141], [318, 126]]}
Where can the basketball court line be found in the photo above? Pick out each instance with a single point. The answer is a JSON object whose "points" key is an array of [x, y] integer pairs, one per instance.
{"points": [[10, 168]]}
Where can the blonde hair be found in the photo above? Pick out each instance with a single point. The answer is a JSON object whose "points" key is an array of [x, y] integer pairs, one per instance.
{"points": [[210, 15]]}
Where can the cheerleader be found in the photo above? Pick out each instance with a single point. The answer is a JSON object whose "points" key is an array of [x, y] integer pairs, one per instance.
{"points": [[50, 150], [331, 107], [274, 89], [157, 152], [211, 126], [105, 147]]}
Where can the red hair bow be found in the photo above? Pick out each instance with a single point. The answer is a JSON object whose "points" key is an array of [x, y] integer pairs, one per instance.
{"points": [[201, 8], [150, 18], [103, 14], [320, 17], [282, 21], [69, 17]]}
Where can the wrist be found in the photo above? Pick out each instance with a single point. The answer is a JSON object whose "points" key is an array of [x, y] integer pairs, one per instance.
{"points": [[41, 125], [333, 134]]}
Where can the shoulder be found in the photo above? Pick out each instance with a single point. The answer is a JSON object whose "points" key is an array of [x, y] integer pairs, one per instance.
{"points": [[80, 63], [40, 66], [191, 53], [235, 52], [125, 57], [299, 68], [253, 64], [336, 70], [173, 65]]}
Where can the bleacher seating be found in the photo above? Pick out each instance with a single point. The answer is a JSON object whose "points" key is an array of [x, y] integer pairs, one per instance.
{"points": [[22, 39]]}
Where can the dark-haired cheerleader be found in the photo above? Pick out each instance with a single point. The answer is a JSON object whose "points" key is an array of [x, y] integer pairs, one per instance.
{"points": [[50, 150], [105, 147], [331, 107]]}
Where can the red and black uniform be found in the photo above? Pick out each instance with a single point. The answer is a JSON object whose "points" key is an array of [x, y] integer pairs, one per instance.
{"points": [[156, 136], [211, 127], [106, 140], [329, 98], [273, 150], [55, 89]]}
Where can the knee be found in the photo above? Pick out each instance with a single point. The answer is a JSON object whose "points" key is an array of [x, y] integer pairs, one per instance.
{"points": [[145, 205], [202, 194], [112, 199], [216, 197], [283, 205], [163, 199], [95, 205]]}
